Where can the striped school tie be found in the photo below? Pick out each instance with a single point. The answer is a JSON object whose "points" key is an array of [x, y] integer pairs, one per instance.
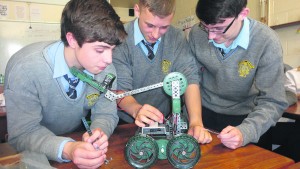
{"points": [[149, 47], [72, 93]]}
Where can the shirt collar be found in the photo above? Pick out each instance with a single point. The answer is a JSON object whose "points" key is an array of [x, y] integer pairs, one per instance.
{"points": [[242, 39], [60, 65]]}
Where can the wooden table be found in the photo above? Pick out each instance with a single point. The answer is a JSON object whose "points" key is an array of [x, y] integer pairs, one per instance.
{"points": [[213, 155], [294, 166], [293, 112], [3, 123], [8, 155]]}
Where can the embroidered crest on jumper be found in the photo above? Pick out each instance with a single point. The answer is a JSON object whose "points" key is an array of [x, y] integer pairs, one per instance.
{"points": [[245, 67], [92, 98], [165, 66]]}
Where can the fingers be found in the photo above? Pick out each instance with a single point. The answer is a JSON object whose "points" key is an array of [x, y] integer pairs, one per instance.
{"points": [[231, 137], [90, 160], [99, 139], [148, 115], [231, 144], [91, 154], [200, 134], [90, 139]]}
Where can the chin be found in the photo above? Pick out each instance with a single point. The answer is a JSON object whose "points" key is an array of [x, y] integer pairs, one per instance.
{"points": [[97, 71], [218, 40]]}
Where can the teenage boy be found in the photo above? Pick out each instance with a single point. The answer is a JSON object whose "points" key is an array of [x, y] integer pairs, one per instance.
{"points": [[44, 100]]}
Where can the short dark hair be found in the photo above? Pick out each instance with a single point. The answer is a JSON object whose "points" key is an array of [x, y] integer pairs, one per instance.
{"points": [[91, 21], [160, 8], [213, 11]]}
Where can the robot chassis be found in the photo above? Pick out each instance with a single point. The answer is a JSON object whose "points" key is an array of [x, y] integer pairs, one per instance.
{"points": [[162, 141]]}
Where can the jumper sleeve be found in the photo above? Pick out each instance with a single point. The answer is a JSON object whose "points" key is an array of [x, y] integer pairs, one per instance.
{"points": [[271, 101], [123, 63], [24, 117], [104, 113]]}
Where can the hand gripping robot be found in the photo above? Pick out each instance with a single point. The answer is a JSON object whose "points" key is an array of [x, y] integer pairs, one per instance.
{"points": [[161, 141]]}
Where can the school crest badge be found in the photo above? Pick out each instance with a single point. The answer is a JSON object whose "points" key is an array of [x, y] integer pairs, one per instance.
{"points": [[165, 66], [92, 98], [245, 67]]}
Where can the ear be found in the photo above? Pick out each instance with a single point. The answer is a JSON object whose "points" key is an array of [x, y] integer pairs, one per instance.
{"points": [[71, 40], [136, 10], [244, 13]]}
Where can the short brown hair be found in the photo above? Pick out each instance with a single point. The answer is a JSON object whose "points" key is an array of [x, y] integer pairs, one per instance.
{"points": [[91, 21], [161, 8]]}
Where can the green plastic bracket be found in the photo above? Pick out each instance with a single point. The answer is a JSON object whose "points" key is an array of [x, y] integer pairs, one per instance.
{"points": [[162, 148], [102, 87]]}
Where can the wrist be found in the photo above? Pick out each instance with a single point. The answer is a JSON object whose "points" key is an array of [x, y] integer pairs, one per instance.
{"points": [[196, 123], [137, 110], [66, 154]]}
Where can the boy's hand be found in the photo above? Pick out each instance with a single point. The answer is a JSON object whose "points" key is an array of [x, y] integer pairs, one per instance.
{"points": [[99, 139], [148, 114], [200, 134], [231, 137], [83, 154]]}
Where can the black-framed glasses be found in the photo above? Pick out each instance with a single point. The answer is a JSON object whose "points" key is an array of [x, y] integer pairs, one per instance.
{"points": [[218, 30]]}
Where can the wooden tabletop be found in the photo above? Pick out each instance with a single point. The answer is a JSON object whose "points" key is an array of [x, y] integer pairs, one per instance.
{"points": [[3, 123], [293, 111], [213, 155], [294, 166]]}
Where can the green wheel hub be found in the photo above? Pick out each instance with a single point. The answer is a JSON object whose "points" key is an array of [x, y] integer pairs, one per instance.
{"points": [[183, 151], [173, 77], [141, 151]]}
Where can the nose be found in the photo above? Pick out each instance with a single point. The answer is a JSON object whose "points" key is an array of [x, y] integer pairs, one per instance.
{"points": [[155, 33], [211, 35], [108, 57]]}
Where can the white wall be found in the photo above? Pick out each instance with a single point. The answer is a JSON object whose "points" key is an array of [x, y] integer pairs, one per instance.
{"points": [[124, 14], [290, 40], [22, 24], [50, 11], [57, 2], [289, 35]]}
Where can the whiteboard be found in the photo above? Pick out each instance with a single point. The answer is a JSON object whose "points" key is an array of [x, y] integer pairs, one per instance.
{"points": [[16, 35]]}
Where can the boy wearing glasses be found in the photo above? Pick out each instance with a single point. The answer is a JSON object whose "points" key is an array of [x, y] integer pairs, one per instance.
{"points": [[241, 72]]}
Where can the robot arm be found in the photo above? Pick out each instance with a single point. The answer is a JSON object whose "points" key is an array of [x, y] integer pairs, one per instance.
{"points": [[102, 87], [106, 84]]}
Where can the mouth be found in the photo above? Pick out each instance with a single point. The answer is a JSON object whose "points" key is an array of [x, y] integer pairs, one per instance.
{"points": [[101, 68], [218, 40], [152, 40]]}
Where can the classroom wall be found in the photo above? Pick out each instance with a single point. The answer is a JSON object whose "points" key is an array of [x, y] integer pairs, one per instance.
{"points": [[290, 40], [23, 23], [288, 35], [45, 18]]}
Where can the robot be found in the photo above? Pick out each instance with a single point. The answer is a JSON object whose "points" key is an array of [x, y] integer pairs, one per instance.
{"points": [[160, 141]]}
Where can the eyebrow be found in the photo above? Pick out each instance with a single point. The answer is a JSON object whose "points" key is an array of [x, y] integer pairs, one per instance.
{"points": [[104, 46], [156, 26]]}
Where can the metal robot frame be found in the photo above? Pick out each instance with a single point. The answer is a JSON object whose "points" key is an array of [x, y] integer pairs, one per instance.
{"points": [[160, 141]]}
